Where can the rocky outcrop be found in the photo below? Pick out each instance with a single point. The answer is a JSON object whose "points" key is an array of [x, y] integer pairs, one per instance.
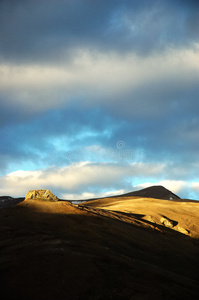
{"points": [[168, 222], [44, 195], [182, 230], [173, 225]]}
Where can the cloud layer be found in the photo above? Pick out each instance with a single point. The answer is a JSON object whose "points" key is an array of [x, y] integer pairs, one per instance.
{"points": [[41, 29], [79, 76], [86, 179]]}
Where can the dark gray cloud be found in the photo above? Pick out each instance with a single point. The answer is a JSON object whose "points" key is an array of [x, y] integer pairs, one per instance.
{"points": [[40, 30]]}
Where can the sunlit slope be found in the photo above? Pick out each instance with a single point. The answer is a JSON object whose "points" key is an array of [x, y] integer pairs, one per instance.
{"points": [[178, 215]]}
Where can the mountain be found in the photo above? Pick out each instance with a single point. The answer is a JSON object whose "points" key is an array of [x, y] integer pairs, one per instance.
{"points": [[156, 191], [113, 248], [7, 201]]}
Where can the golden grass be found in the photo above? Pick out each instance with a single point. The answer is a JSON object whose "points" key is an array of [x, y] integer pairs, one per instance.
{"points": [[185, 214]]}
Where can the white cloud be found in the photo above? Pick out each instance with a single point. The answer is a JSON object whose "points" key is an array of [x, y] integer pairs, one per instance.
{"points": [[83, 196], [195, 186], [76, 178], [174, 185], [89, 180], [96, 77]]}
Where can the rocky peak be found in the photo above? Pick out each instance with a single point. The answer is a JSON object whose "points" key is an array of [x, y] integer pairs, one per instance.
{"points": [[44, 195]]}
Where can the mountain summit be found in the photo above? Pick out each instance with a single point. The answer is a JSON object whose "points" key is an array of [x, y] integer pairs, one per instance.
{"points": [[44, 195], [156, 191]]}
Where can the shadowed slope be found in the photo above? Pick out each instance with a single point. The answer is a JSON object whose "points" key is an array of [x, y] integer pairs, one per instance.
{"points": [[7, 201], [54, 250]]}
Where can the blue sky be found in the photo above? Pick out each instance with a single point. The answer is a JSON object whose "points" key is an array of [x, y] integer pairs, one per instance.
{"points": [[99, 97]]}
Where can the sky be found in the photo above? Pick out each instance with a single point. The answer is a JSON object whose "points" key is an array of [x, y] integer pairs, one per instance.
{"points": [[99, 97]]}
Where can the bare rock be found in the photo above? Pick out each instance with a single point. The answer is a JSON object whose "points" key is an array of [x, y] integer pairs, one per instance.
{"points": [[44, 195], [167, 222], [182, 230]]}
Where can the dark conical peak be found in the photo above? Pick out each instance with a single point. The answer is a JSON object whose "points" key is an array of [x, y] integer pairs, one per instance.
{"points": [[156, 191]]}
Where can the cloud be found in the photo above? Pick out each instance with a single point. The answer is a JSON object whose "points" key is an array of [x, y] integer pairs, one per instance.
{"points": [[44, 30], [83, 196], [82, 177], [195, 185], [85, 179], [79, 75], [150, 87]]}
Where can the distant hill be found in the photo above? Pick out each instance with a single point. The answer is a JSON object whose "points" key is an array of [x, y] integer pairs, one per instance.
{"points": [[112, 248], [156, 191], [7, 201]]}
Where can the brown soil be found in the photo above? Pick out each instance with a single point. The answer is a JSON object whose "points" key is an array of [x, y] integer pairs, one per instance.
{"points": [[55, 250]]}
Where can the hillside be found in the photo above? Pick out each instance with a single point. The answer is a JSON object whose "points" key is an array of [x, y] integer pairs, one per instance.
{"points": [[103, 249], [178, 215], [155, 191]]}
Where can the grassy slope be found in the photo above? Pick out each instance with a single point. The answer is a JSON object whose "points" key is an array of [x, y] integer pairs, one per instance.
{"points": [[183, 214], [55, 250]]}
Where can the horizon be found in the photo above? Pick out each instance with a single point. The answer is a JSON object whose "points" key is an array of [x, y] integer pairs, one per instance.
{"points": [[113, 194], [99, 97]]}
